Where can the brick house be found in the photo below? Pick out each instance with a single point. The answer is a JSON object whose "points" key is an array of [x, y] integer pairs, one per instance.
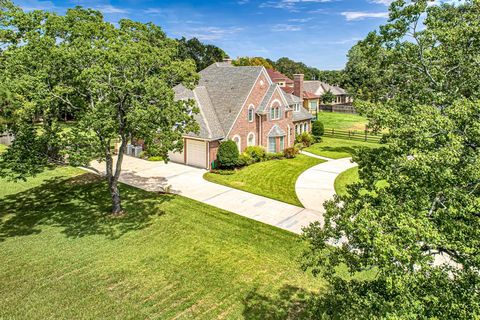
{"points": [[241, 104]]}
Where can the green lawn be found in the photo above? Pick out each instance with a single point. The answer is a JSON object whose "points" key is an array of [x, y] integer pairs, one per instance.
{"points": [[62, 257], [338, 148], [273, 179], [344, 179], [342, 121]]}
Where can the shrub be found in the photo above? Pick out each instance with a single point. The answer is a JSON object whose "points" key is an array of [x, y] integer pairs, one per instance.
{"points": [[257, 153], [155, 158], [222, 172], [299, 146], [245, 160], [291, 152], [228, 156], [318, 129], [305, 138], [274, 156]]}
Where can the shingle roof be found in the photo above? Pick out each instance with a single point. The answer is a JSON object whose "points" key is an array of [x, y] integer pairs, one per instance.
{"points": [[292, 99], [207, 120], [268, 95], [276, 131], [278, 76], [228, 87], [301, 115], [320, 87]]}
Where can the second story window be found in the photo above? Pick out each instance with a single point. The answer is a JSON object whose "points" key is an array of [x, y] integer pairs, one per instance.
{"points": [[275, 113], [251, 113], [296, 107]]}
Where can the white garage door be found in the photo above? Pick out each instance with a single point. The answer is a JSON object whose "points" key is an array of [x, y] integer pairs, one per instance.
{"points": [[196, 153]]}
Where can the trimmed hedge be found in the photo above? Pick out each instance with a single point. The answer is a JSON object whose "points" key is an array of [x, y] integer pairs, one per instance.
{"points": [[228, 155]]}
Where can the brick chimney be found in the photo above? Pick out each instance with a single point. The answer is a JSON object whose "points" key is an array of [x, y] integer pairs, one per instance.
{"points": [[298, 85]]}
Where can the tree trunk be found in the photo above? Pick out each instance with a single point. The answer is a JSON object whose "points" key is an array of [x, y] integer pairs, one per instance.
{"points": [[116, 201]]}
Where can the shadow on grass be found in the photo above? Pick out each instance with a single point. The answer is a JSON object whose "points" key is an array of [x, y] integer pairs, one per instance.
{"points": [[340, 300], [80, 205]]}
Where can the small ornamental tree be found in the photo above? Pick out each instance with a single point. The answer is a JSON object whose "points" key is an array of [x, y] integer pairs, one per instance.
{"points": [[327, 97], [115, 81], [317, 129], [228, 155]]}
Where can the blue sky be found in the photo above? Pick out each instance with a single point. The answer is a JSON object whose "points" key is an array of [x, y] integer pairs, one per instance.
{"points": [[317, 32]]}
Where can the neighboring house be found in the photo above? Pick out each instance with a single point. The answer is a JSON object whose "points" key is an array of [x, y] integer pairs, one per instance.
{"points": [[241, 104], [309, 91], [320, 87]]}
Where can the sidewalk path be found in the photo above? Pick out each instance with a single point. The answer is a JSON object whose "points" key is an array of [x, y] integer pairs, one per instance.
{"points": [[316, 185], [188, 181]]}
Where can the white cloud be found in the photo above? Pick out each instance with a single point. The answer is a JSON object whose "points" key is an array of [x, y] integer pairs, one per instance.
{"points": [[289, 4], [109, 9], [300, 20], [30, 5], [362, 15], [384, 2], [285, 27], [210, 33]]}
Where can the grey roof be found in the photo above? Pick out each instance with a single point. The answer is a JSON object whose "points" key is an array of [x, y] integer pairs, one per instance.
{"points": [[276, 131], [301, 115], [207, 120], [268, 95], [228, 87], [320, 87], [292, 99]]}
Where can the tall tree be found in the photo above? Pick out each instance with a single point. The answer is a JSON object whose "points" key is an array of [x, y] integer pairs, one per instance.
{"points": [[413, 219], [253, 61], [203, 54], [117, 80]]}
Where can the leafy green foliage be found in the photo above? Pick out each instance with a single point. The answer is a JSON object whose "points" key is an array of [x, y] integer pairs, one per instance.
{"points": [[291, 152], [228, 155], [203, 54], [256, 152], [317, 129], [327, 97], [419, 230], [116, 81], [253, 61], [304, 138]]}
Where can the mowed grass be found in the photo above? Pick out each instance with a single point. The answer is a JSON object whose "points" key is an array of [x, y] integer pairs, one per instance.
{"points": [[63, 257], [342, 121], [344, 179], [338, 148], [274, 179]]}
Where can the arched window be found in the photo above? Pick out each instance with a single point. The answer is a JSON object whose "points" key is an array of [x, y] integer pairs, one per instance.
{"points": [[297, 129], [275, 112], [305, 127], [251, 139], [238, 141], [251, 113]]}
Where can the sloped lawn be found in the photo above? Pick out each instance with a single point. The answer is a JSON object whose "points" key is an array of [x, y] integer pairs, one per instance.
{"points": [[344, 179], [168, 258], [342, 121], [338, 148], [273, 179]]}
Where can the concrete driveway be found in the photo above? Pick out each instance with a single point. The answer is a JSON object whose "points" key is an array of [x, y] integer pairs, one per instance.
{"points": [[188, 182], [316, 185]]}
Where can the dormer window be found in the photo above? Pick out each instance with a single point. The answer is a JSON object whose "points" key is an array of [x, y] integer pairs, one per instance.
{"points": [[296, 107]]}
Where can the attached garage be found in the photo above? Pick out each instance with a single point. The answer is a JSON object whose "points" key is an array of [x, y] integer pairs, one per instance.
{"points": [[196, 153]]}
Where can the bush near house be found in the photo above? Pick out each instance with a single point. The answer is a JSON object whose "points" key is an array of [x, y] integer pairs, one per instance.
{"points": [[305, 138], [228, 155], [257, 153], [318, 129], [291, 152]]}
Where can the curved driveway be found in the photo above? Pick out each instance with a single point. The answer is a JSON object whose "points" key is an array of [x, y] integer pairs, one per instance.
{"points": [[316, 185]]}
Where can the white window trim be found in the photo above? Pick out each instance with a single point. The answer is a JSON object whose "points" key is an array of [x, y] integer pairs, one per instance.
{"points": [[239, 144], [251, 134], [251, 108], [275, 148]]}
